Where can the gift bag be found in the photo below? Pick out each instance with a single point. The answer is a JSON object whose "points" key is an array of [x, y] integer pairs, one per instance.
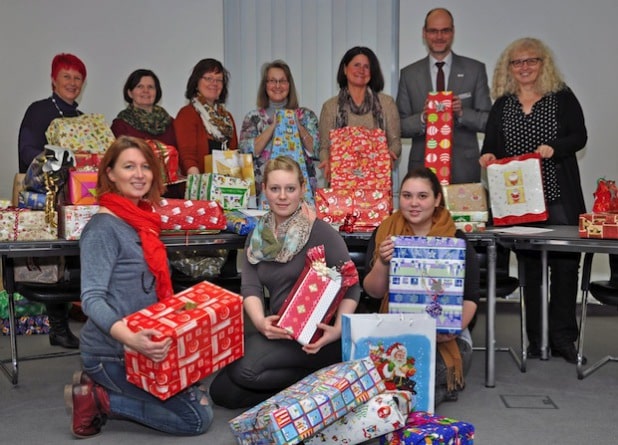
{"points": [[168, 157], [516, 190], [605, 196], [232, 163], [402, 347], [39, 270], [86, 133], [230, 192]]}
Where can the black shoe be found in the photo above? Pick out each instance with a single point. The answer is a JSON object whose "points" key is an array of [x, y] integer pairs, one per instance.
{"points": [[567, 352], [534, 350], [66, 340]]}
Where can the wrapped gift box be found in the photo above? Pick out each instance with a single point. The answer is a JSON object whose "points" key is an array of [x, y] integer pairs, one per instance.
{"points": [[426, 275], [598, 225], [424, 429], [168, 157], [73, 219], [206, 325], [367, 208], [186, 214], [26, 325], [32, 200], [359, 158], [465, 197], [439, 134], [470, 226], [27, 225], [239, 222], [231, 193], [383, 414], [85, 161], [315, 296], [83, 187], [468, 216], [308, 406]]}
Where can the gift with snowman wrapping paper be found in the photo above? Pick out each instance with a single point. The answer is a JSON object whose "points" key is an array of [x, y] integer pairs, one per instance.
{"points": [[205, 323], [516, 190], [439, 134]]}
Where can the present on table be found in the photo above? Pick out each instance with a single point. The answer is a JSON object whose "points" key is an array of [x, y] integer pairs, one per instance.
{"points": [[73, 218], [82, 187], [598, 225], [168, 158], [470, 226], [187, 214], [27, 225], [315, 296], [86, 161], [382, 414], [424, 429], [439, 134], [239, 222], [231, 193], [465, 197], [363, 209], [206, 325], [310, 405], [31, 200], [426, 275]]}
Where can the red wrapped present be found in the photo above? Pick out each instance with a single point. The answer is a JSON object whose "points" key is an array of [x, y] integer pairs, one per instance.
{"points": [[73, 219], [439, 134], [359, 158], [605, 196], [598, 225], [85, 161], [364, 210], [206, 325], [168, 156], [186, 214], [315, 296], [83, 187]]}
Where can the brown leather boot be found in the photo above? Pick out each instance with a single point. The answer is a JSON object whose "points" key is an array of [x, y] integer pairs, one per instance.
{"points": [[88, 405]]}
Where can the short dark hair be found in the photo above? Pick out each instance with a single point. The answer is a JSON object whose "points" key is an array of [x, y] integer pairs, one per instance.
{"points": [[377, 79], [134, 79], [428, 174], [105, 185], [438, 9], [207, 66]]}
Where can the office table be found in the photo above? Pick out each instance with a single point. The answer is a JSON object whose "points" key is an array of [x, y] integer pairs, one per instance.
{"points": [[14, 249], [558, 239]]}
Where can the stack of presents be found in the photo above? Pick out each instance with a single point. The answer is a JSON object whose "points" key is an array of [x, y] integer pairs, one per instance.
{"points": [[383, 387], [602, 222]]}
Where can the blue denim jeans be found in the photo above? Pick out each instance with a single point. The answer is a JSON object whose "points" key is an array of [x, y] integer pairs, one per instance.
{"points": [[181, 415]]}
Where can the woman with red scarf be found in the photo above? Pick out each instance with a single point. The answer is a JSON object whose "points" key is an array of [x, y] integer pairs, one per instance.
{"points": [[123, 270]]}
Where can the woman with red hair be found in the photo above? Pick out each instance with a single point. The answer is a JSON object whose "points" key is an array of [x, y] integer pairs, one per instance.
{"points": [[68, 74]]}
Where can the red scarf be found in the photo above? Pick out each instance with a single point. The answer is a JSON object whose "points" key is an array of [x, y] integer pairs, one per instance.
{"points": [[147, 224]]}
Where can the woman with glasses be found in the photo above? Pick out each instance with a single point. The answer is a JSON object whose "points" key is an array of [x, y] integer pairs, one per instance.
{"points": [[359, 103], [535, 112], [124, 269], [264, 132], [204, 124]]}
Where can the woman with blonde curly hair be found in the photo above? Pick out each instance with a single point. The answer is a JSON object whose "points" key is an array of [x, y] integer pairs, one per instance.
{"points": [[535, 112]]}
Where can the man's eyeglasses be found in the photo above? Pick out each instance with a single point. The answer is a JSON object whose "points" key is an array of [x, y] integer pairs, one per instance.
{"points": [[282, 82], [518, 63], [434, 32]]}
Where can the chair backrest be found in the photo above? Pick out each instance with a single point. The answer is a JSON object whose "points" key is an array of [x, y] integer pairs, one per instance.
{"points": [[613, 270]]}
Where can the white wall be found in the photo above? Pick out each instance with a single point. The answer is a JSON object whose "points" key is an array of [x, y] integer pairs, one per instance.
{"points": [[112, 37]]}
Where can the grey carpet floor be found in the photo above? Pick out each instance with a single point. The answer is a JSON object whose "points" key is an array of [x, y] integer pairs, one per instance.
{"points": [[545, 405]]}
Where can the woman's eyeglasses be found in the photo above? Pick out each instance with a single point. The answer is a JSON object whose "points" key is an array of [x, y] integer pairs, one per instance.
{"points": [[209, 79], [277, 82], [518, 63]]}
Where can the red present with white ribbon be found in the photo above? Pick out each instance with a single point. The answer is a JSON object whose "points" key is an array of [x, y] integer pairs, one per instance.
{"points": [[187, 214], [315, 296], [439, 134], [206, 327], [363, 210]]}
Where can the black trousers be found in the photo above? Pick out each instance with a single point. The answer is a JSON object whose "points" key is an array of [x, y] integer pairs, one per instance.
{"points": [[267, 367]]}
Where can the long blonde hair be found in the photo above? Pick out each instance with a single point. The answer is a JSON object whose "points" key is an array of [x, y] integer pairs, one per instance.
{"points": [[549, 81]]}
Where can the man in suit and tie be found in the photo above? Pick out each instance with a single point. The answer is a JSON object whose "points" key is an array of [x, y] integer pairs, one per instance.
{"points": [[465, 77]]}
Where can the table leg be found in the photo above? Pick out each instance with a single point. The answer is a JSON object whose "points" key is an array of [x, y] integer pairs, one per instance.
{"points": [[544, 307], [490, 333], [7, 278]]}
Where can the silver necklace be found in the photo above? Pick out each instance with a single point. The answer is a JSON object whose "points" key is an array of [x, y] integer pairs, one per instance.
{"points": [[53, 99]]}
